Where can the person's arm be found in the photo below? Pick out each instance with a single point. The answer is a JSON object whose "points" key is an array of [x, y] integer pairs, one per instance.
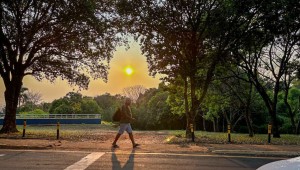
{"points": [[126, 114]]}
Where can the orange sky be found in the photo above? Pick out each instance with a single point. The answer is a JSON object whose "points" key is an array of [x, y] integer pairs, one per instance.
{"points": [[117, 78]]}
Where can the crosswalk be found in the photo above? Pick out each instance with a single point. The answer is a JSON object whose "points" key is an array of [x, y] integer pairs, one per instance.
{"points": [[86, 161]]}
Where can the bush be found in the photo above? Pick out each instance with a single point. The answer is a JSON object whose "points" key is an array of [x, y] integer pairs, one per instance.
{"points": [[35, 112]]}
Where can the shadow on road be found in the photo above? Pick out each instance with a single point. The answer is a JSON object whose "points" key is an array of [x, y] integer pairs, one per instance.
{"points": [[116, 164]]}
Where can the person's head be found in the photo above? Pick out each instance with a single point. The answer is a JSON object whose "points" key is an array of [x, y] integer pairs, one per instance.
{"points": [[127, 101]]}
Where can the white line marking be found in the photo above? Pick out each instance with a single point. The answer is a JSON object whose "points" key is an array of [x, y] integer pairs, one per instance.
{"points": [[86, 161], [2, 154]]}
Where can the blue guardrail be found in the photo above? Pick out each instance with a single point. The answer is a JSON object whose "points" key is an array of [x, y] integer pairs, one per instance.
{"points": [[53, 119]]}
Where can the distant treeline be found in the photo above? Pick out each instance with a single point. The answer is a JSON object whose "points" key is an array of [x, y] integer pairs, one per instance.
{"points": [[163, 108]]}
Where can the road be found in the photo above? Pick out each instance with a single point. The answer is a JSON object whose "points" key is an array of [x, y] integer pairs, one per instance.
{"points": [[67, 160]]}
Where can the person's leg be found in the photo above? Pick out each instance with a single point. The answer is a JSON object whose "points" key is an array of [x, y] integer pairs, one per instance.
{"points": [[121, 131], [129, 131], [132, 140], [116, 139]]}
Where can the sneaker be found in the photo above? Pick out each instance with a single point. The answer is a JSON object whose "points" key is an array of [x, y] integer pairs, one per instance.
{"points": [[136, 145]]}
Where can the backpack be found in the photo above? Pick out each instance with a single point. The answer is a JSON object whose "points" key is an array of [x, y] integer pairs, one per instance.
{"points": [[117, 115]]}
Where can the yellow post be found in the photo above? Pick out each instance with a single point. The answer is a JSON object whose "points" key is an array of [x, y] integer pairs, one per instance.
{"points": [[228, 131], [269, 128], [192, 130], [269, 132], [57, 134], [24, 128]]}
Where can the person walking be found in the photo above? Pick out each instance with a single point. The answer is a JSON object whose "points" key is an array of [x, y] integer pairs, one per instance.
{"points": [[126, 119]]}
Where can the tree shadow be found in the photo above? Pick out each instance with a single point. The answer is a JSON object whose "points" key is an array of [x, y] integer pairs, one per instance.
{"points": [[116, 164]]}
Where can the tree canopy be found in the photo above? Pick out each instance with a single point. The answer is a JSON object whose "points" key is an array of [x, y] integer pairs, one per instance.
{"points": [[49, 39]]}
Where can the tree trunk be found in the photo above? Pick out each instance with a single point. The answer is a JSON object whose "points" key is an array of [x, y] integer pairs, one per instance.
{"points": [[275, 128], [271, 106], [248, 113], [204, 125], [249, 124], [214, 124], [194, 101], [291, 114], [11, 94], [298, 128], [223, 124], [217, 127], [188, 132]]}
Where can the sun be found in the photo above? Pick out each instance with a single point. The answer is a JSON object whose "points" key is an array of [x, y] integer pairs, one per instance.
{"points": [[128, 70]]}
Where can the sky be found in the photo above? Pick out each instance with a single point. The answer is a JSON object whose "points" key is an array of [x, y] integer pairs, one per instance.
{"points": [[117, 78]]}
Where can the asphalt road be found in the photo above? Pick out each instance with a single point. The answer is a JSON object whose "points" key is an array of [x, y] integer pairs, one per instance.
{"points": [[65, 160]]}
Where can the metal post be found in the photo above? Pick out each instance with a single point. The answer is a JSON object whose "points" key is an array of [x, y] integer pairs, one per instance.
{"points": [[228, 131], [269, 132], [192, 130], [24, 128], [57, 134]]}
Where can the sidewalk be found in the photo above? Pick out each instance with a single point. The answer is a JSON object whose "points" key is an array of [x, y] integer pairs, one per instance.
{"points": [[256, 150], [125, 146]]}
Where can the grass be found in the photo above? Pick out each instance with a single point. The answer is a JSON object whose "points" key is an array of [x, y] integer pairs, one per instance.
{"points": [[66, 131], [214, 137], [100, 132]]}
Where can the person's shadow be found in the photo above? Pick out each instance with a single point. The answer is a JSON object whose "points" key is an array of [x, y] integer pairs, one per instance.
{"points": [[116, 164]]}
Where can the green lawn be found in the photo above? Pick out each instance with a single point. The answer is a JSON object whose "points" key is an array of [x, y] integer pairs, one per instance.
{"points": [[213, 137], [66, 131]]}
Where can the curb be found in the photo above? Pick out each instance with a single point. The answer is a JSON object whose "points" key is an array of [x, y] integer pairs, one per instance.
{"points": [[257, 153], [23, 147]]}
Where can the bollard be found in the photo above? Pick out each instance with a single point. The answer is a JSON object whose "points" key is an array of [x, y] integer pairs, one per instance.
{"points": [[57, 132], [228, 131], [192, 130], [269, 132], [24, 128]]}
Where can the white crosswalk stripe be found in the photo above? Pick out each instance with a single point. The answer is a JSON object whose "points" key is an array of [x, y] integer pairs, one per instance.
{"points": [[86, 161]]}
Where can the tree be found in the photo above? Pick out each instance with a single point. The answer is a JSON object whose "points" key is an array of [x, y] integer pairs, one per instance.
{"points": [[239, 91], [23, 96], [176, 37], [35, 112], [63, 109], [56, 103], [270, 45], [153, 112], [33, 98], [74, 100], [109, 104], [134, 92], [288, 106], [50, 39], [232, 99], [290, 76], [73, 97], [90, 106], [28, 100]]}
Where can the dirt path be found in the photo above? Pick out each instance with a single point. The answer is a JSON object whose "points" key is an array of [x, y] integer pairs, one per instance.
{"points": [[101, 141]]}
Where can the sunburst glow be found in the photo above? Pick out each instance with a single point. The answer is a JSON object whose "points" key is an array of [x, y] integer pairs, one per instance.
{"points": [[128, 70]]}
